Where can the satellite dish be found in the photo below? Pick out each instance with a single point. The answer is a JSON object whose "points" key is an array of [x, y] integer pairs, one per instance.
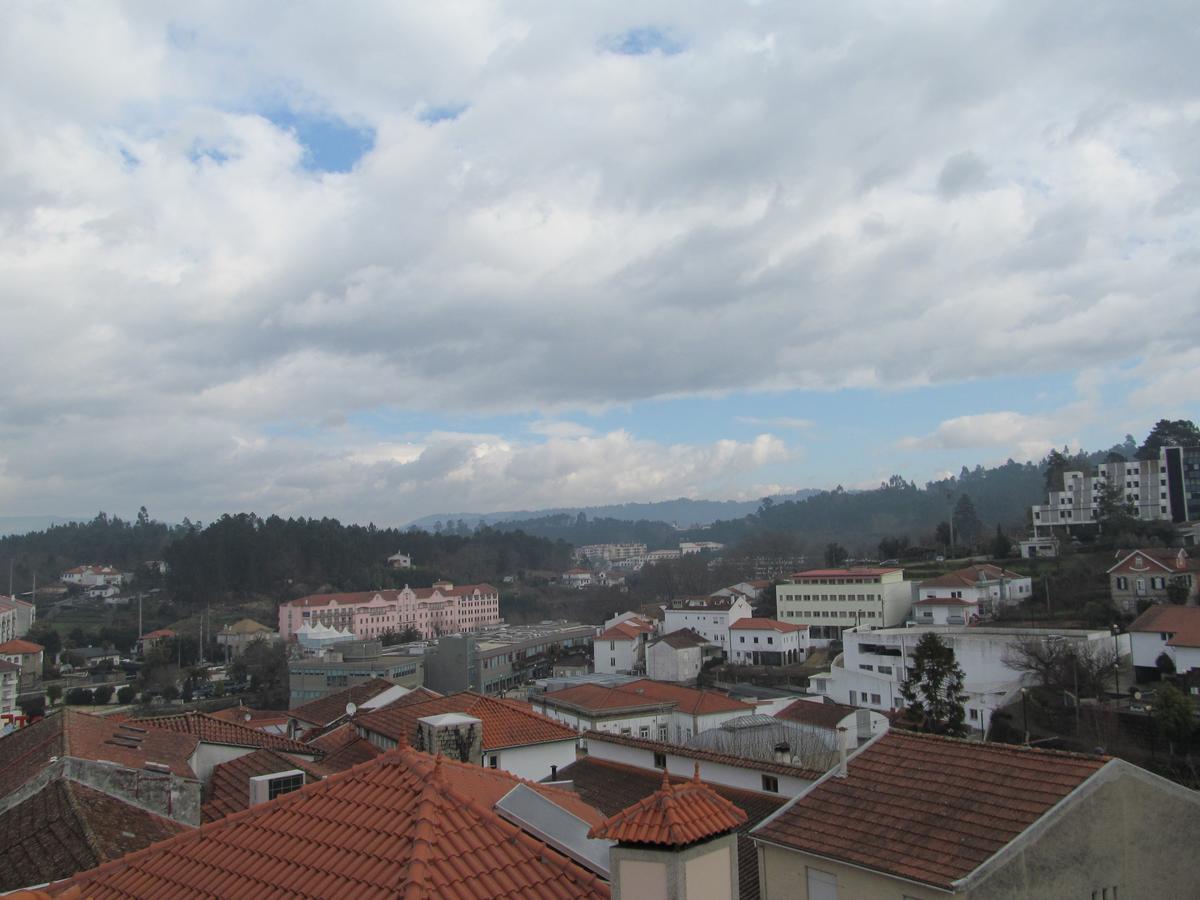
{"points": [[246, 717], [351, 709]]}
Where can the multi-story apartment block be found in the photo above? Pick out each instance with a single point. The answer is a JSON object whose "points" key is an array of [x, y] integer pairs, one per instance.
{"points": [[710, 617], [612, 553], [1165, 489], [442, 609], [16, 618], [829, 601]]}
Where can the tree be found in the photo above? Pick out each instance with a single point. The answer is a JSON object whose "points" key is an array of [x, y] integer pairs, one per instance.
{"points": [[1164, 663], [126, 694], [264, 665], [835, 555], [1173, 717], [934, 687], [1169, 433], [943, 534], [45, 634], [1056, 463], [102, 694], [966, 521], [53, 693], [1178, 592], [32, 707], [79, 697], [1062, 665], [170, 692], [1117, 512], [1001, 544]]}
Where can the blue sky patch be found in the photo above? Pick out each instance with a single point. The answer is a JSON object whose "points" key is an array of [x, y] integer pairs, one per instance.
{"points": [[644, 41], [447, 113], [330, 144]]}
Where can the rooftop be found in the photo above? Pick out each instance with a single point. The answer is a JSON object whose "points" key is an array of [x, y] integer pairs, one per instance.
{"points": [[66, 827], [1182, 622], [756, 624], [682, 639], [645, 693], [865, 572], [970, 577], [228, 788], [330, 708], [361, 598], [211, 730], [713, 756], [626, 631], [821, 715], [506, 723], [404, 825], [19, 646], [676, 815], [927, 808]]}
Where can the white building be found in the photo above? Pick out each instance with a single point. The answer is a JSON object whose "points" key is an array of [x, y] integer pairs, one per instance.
{"points": [[678, 656], [400, 561], [612, 553], [946, 611], [991, 587], [90, 576], [690, 548], [10, 679], [872, 667], [859, 725], [660, 555], [1173, 630], [710, 617], [767, 642], [751, 590], [577, 578], [16, 618], [621, 649], [829, 601], [1038, 547]]}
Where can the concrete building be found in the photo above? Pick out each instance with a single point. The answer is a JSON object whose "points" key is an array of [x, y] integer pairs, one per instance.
{"points": [[621, 648], [691, 548], [1170, 630], [1150, 576], [91, 576], [577, 578], [235, 638], [498, 660], [400, 560], [10, 682], [946, 611], [989, 822], [767, 642], [29, 658], [1038, 547], [829, 601], [152, 639], [444, 608], [632, 552], [873, 665], [16, 618], [710, 617], [349, 663], [991, 587], [679, 656]]}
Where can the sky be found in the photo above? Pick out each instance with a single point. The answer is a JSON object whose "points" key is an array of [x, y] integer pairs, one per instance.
{"points": [[382, 260]]}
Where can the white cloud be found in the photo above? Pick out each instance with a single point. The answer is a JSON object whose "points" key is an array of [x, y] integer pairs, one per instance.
{"points": [[1028, 437]]}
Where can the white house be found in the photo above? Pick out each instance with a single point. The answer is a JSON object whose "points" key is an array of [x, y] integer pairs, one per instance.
{"points": [[831, 600], [577, 578], [400, 561], [872, 667], [677, 656], [710, 617], [990, 586], [751, 590], [644, 709], [90, 576], [690, 548], [16, 618], [1173, 630], [621, 649], [767, 642], [860, 725], [946, 611]]}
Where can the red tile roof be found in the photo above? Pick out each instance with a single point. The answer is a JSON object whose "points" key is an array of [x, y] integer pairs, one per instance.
{"points": [[404, 825], [6, 666], [1169, 560], [683, 639], [674, 816], [19, 646], [65, 828], [626, 631], [645, 693], [212, 730], [253, 718], [361, 598], [822, 715], [330, 708], [506, 723], [158, 633], [926, 808], [757, 624], [344, 748], [725, 759], [970, 576], [1183, 622], [945, 601], [228, 788], [845, 573]]}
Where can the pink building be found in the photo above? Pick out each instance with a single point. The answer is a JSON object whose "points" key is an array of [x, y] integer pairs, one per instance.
{"points": [[441, 609]]}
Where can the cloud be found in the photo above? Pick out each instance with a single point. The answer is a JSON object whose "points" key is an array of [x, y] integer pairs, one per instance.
{"points": [[1028, 437], [218, 222]]}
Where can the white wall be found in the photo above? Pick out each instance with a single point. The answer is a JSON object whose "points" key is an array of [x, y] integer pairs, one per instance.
{"points": [[533, 761], [666, 663], [631, 724], [614, 657]]}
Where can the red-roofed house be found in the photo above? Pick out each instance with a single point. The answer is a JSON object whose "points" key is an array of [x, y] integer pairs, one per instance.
{"points": [[926, 817], [946, 611], [1149, 575], [991, 587], [621, 648], [147, 642], [710, 617], [1169, 629], [220, 740], [577, 578], [29, 657], [16, 618], [767, 642]]}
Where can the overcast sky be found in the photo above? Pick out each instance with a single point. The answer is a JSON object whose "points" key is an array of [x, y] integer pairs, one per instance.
{"points": [[379, 260]]}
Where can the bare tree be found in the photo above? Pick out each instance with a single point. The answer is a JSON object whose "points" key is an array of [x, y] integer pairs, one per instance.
{"points": [[1062, 664]]}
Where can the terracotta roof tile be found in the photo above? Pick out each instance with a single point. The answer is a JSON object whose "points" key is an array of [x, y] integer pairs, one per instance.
{"points": [[330, 708], [403, 825], [865, 572], [343, 748], [212, 730], [822, 715], [626, 631], [228, 788], [1183, 622], [741, 762], [682, 639], [253, 718], [611, 787], [65, 828], [673, 816], [506, 723], [645, 693], [757, 624], [19, 646], [927, 808]]}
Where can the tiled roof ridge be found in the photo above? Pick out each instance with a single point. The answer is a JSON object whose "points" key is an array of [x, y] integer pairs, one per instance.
{"points": [[667, 806], [193, 723], [84, 824], [424, 832], [1012, 749]]}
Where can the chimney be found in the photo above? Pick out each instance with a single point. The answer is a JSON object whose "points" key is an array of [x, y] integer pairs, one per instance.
{"points": [[842, 771], [453, 735]]}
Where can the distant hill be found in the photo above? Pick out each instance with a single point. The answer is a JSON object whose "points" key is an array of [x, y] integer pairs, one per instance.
{"points": [[682, 512], [26, 524]]}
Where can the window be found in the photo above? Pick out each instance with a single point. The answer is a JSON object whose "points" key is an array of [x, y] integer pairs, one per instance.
{"points": [[884, 670], [644, 731], [662, 732], [612, 661], [821, 885], [974, 714], [866, 667], [875, 699], [660, 759], [284, 785], [770, 783], [742, 639], [852, 698], [494, 761]]}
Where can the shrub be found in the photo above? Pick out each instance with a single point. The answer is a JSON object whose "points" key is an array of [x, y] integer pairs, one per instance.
{"points": [[126, 694], [102, 694], [79, 697]]}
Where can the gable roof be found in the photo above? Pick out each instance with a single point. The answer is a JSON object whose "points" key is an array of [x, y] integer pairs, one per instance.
{"points": [[757, 624], [16, 645], [343, 748], [1171, 560], [682, 639], [211, 730], [28, 750], [404, 825], [1183, 622], [228, 788], [945, 601], [642, 694], [246, 626], [332, 707], [506, 723], [821, 715], [925, 808], [714, 756], [626, 631], [611, 787], [675, 815], [66, 827], [158, 633]]}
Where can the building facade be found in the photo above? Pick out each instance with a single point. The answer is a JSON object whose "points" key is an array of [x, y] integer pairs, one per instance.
{"points": [[1152, 576], [351, 663], [621, 648], [710, 617], [829, 601], [500, 659], [1173, 631], [767, 642], [990, 587]]}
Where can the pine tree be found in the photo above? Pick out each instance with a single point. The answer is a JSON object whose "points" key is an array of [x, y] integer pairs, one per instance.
{"points": [[934, 687]]}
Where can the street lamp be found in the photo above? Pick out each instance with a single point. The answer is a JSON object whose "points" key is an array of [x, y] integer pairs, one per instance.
{"points": [[1116, 659]]}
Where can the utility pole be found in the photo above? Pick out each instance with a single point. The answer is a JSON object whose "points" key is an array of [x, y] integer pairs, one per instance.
{"points": [[10, 577], [140, 615]]}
